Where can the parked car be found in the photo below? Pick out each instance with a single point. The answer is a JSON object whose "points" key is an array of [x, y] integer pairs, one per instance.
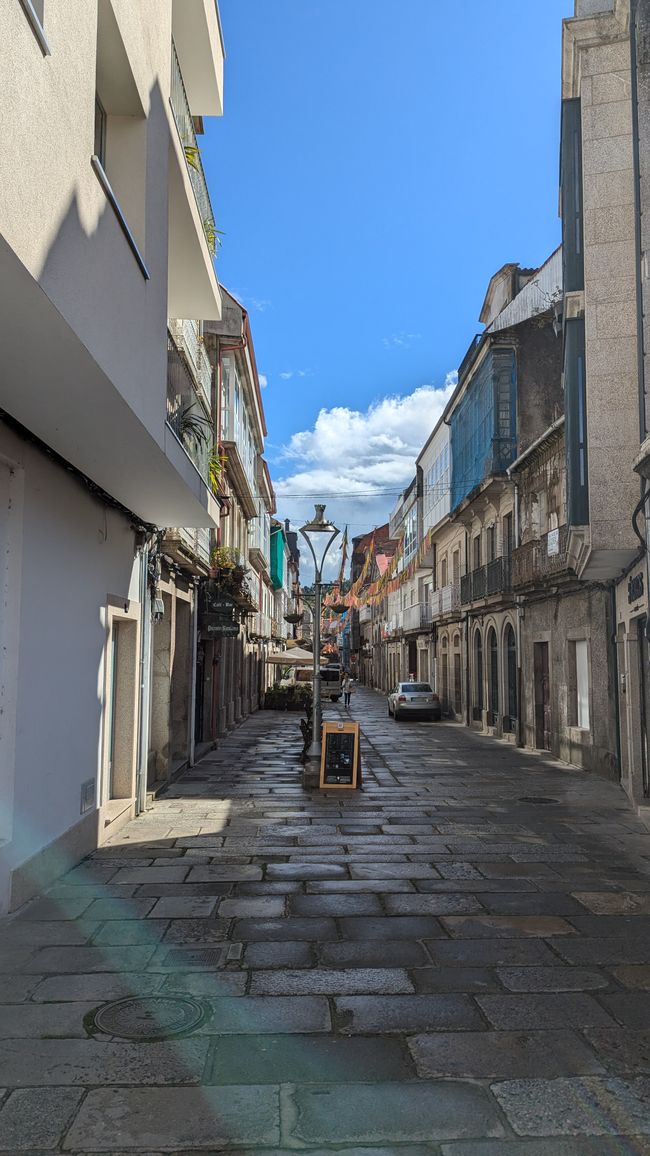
{"points": [[414, 700], [330, 677]]}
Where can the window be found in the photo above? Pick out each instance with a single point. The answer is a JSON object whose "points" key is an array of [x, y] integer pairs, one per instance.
{"points": [[455, 565], [579, 684], [443, 572], [100, 132], [507, 535], [582, 684], [476, 546], [491, 543], [35, 12]]}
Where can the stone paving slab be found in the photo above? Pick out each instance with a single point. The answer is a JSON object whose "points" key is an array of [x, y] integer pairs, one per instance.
{"points": [[36, 1117], [399, 1113], [568, 1107], [41, 1063], [356, 949], [406, 1013], [502, 1054], [172, 1118], [309, 1060]]}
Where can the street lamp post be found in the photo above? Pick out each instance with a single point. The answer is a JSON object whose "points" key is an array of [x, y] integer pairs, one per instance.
{"points": [[319, 536]]}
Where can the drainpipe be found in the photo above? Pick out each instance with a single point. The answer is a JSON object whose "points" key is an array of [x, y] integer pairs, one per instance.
{"points": [[145, 678], [195, 647], [636, 160]]}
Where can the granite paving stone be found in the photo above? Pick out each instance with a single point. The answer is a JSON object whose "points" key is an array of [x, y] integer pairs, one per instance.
{"points": [[621, 1049], [632, 1009], [589, 1105], [36, 1117], [269, 1014], [502, 1054], [390, 927], [552, 979], [136, 1118], [317, 981], [335, 905], [390, 1112], [547, 1010], [461, 979], [309, 1060], [406, 1013], [507, 927], [44, 1062], [429, 967], [273, 954], [374, 953], [248, 930]]}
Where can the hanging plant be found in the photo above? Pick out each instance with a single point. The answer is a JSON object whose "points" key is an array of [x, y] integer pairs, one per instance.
{"points": [[193, 157]]}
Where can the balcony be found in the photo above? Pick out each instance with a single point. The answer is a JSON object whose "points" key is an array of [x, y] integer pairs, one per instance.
{"points": [[365, 614], [495, 578], [185, 545], [193, 289], [196, 29], [186, 336], [417, 617], [186, 415], [446, 600], [543, 558]]}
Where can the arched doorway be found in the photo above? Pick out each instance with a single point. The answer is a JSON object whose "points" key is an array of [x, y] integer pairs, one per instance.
{"points": [[458, 703], [493, 653], [510, 646], [478, 677], [444, 678]]}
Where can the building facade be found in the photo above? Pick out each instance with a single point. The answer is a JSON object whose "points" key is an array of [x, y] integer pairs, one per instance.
{"points": [[107, 232]]}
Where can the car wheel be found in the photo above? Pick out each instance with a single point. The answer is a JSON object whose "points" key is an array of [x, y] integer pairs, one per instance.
{"points": [[389, 711], [397, 716]]}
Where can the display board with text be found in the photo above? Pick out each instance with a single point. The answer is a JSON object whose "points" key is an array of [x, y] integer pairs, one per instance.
{"points": [[340, 767]]}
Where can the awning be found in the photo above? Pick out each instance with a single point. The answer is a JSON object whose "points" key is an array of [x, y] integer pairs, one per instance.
{"points": [[295, 657]]}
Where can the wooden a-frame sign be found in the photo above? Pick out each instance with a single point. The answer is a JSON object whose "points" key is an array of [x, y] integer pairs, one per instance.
{"points": [[340, 767]]}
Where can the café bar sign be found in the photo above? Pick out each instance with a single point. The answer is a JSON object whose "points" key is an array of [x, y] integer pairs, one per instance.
{"points": [[216, 613]]}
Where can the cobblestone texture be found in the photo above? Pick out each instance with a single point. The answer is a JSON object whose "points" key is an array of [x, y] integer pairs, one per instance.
{"points": [[429, 967]]}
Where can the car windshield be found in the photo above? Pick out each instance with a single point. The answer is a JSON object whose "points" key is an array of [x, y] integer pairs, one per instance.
{"points": [[421, 687]]}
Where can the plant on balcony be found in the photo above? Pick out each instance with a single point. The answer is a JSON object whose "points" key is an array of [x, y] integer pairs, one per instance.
{"points": [[216, 466], [187, 423], [213, 235], [192, 156]]}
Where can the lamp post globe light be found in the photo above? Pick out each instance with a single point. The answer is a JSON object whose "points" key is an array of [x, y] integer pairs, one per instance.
{"points": [[319, 536]]}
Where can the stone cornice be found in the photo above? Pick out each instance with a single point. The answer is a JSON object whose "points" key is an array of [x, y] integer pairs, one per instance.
{"points": [[581, 32]]}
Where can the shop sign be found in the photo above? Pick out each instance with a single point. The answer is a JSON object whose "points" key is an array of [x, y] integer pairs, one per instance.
{"points": [[213, 626], [553, 542], [635, 588]]}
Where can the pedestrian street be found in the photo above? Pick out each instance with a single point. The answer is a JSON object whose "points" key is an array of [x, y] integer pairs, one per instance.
{"points": [[453, 961]]}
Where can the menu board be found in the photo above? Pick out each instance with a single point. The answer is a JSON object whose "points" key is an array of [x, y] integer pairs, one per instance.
{"points": [[340, 762]]}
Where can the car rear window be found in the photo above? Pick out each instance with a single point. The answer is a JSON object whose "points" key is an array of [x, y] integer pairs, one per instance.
{"points": [[421, 686], [330, 673]]}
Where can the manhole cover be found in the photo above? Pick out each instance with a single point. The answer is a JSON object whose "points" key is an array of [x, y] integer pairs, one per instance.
{"points": [[537, 799], [151, 1018]]}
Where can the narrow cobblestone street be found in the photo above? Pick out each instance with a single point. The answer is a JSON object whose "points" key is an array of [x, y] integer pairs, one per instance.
{"points": [[454, 961]]}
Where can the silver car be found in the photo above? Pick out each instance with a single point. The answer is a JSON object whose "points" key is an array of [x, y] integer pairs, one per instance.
{"points": [[413, 700]]}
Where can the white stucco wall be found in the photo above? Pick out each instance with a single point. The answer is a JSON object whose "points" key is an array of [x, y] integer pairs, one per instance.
{"points": [[74, 556]]}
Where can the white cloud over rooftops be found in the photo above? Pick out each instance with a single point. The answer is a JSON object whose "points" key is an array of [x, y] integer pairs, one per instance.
{"points": [[357, 461]]}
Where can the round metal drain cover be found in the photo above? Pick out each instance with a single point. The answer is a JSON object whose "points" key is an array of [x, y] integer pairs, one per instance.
{"points": [[540, 799], [149, 1018]]}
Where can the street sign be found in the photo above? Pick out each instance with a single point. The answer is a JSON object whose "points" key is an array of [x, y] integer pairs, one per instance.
{"points": [[340, 767]]}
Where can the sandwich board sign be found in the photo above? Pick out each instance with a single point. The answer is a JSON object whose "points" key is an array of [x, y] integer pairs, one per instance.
{"points": [[340, 767]]}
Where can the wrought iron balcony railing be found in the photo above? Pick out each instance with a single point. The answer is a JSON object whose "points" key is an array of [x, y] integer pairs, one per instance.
{"points": [[495, 578], [185, 125], [541, 559]]}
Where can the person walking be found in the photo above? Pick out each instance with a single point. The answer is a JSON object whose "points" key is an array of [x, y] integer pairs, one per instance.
{"points": [[347, 689]]}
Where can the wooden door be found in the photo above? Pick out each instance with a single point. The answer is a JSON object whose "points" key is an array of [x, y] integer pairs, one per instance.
{"points": [[542, 698]]}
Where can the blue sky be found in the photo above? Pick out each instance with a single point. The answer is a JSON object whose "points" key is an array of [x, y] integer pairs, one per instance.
{"points": [[375, 164]]}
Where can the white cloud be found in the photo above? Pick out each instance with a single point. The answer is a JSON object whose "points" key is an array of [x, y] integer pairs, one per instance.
{"points": [[287, 374], [400, 340], [259, 304], [264, 381], [357, 461]]}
